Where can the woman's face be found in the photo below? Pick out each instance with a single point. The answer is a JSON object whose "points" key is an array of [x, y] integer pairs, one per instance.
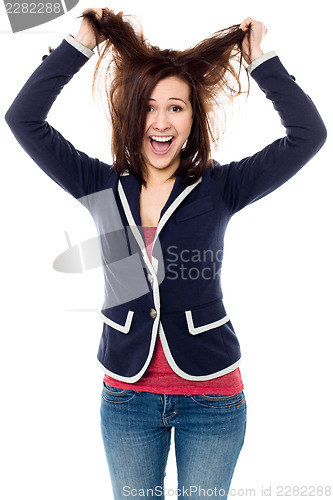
{"points": [[168, 124]]}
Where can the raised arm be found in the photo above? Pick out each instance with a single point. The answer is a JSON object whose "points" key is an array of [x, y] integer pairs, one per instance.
{"points": [[72, 169], [245, 181]]}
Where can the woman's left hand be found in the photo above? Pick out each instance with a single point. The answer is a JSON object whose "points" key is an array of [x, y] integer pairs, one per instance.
{"points": [[251, 43]]}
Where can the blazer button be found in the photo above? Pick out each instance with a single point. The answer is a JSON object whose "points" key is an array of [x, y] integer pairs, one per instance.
{"points": [[153, 313], [150, 278]]}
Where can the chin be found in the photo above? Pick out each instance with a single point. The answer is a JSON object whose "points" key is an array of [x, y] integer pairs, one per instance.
{"points": [[161, 164]]}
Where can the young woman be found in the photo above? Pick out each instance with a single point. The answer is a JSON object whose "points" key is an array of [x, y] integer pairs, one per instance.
{"points": [[168, 349]]}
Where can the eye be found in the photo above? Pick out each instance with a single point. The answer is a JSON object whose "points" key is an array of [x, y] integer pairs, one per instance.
{"points": [[176, 108], [149, 108]]}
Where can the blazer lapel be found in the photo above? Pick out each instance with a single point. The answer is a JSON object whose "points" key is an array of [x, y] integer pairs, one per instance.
{"points": [[129, 192], [131, 203], [179, 192]]}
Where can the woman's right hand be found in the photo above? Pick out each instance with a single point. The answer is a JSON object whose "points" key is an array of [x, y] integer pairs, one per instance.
{"points": [[86, 34]]}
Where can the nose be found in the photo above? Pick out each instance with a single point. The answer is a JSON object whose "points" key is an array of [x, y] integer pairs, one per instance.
{"points": [[161, 121]]}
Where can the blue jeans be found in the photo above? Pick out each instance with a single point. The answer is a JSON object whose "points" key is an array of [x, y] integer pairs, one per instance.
{"points": [[136, 429]]}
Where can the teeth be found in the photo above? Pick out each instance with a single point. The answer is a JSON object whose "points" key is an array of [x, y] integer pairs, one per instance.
{"points": [[161, 139]]}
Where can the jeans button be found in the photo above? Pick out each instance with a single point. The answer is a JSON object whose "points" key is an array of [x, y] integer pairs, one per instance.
{"points": [[153, 313]]}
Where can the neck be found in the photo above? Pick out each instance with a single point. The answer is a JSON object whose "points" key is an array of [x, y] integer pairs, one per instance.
{"points": [[160, 177]]}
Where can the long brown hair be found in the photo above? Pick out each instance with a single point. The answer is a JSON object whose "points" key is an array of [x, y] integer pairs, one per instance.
{"points": [[134, 67]]}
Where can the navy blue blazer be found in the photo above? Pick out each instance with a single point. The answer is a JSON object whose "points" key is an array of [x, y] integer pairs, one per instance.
{"points": [[177, 295]]}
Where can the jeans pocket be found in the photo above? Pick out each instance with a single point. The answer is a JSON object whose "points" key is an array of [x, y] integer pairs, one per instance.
{"points": [[220, 400], [112, 394]]}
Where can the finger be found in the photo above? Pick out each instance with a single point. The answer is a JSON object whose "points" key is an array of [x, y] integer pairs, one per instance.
{"points": [[245, 24], [99, 14]]}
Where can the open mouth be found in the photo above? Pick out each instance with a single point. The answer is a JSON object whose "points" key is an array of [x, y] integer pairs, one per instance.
{"points": [[161, 145]]}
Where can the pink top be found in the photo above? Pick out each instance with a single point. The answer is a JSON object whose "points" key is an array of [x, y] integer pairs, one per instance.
{"points": [[161, 379]]}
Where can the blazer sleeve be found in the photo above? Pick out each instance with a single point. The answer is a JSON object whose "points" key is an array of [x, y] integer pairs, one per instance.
{"points": [[243, 182], [72, 169]]}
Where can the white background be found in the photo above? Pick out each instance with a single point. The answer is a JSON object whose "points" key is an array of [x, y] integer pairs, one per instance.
{"points": [[277, 270]]}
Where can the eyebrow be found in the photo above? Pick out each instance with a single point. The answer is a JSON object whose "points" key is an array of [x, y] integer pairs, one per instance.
{"points": [[171, 99]]}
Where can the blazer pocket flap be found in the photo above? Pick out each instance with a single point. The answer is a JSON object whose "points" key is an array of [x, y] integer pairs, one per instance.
{"points": [[205, 318], [195, 208], [118, 318]]}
